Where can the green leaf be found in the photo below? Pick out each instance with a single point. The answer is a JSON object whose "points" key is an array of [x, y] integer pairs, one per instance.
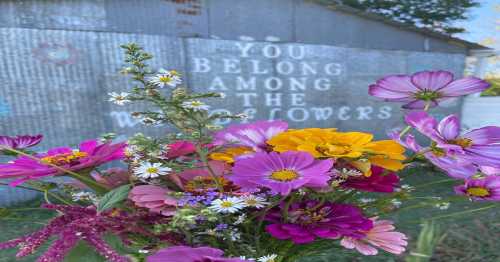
{"points": [[4, 212], [83, 253], [113, 197]]}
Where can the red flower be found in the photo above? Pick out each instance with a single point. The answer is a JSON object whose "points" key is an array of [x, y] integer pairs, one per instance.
{"points": [[377, 182]]}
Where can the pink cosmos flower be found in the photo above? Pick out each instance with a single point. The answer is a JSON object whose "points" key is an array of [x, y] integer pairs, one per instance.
{"points": [[253, 135], [90, 154], [154, 198], [281, 172], [180, 148], [486, 188], [377, 182], [308, 221], [20, 142], [191, 254], [381, 236], [423, 87], [478, 146], [449, 164]]}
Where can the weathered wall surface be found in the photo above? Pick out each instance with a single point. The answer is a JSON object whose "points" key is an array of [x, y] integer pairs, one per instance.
{"points": [[277, 59]]}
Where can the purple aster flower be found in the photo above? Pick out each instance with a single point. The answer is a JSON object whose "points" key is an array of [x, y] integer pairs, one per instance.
{"points": [[309, 220], [90, 154], [485, 188], [438, 157], [478, 146], [281, 172], [253, 135], [191, 254], [425, 87], [19, 142]]}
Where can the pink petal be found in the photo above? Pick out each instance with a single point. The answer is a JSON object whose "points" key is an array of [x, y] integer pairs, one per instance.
{"points": [[449, 127], [464, 86], [484, 135], [432, 80], [380, 92]]}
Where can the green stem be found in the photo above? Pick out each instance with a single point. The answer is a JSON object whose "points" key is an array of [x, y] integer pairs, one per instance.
{"points": [[458, 213]]}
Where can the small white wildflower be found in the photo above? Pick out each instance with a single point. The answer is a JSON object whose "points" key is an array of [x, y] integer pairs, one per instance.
{"points": [[346, 173], [407, 187], [151, 170], [443, 205], [366, 200], [222, 95], [254, 201], [119, 98], [396, 203], [247, 258], [143, 251], [268, 258], [84, 196], [149, 121], [195, 105], [240, 219], [242, 116], [228, 205], [165, 78]]}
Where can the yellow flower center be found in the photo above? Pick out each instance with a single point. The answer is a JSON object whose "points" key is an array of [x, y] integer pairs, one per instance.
{"points": [[251, 202], [333, 149], [152, 170], [463, 142], [226, 204], [284, 175], [65, 159], [165, 79], [478, 191], [175, 73]]}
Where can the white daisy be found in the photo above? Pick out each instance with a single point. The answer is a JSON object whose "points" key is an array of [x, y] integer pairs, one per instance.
{"points": [[228, 205], [240, 219], [119, 98], [165, 78], [195, 105], [268, 258], [151, 170], [254, 201]]}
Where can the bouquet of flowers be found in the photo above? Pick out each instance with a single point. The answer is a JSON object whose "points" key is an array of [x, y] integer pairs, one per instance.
{"points": [[254, 191]]}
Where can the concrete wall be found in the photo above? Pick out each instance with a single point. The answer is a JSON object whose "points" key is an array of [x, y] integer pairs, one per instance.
{"points": [[305, 64]]}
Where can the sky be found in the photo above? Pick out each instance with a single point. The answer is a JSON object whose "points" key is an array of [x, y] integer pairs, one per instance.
{"points": [[484, 24], [483, 27]]}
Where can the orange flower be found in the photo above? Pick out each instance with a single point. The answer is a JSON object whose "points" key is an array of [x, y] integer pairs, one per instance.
{"points": [[229, 154], [356, 147]]}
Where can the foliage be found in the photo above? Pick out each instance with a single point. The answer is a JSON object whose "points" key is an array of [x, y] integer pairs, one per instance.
{"points": [[439, 15]]}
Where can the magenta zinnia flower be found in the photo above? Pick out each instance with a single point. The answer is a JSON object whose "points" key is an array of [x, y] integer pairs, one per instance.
{"points": [[310, 220], [281, 172], [90, 154], [19, 142], [381, 236], [486, 188], [253, 135], [377, 182], [425, 87], [154, 198], [191, 254], [479, 146]]}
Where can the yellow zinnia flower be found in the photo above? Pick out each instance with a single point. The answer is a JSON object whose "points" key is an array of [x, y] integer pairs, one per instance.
{"points": [[357, 147]]}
